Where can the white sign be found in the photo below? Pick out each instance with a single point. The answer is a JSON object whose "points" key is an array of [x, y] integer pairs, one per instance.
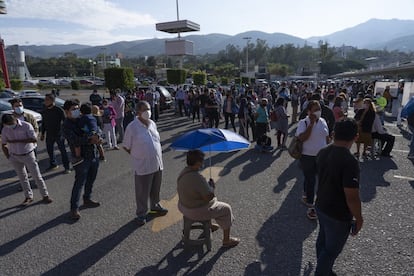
{"points": [[408, 92]]}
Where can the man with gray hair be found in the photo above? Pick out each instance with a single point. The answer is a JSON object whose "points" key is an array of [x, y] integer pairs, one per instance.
{"points": [[142, 142]]}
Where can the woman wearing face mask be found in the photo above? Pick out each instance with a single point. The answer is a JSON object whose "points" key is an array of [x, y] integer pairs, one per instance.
{"points": [[365, 118], [108, 118], [314, 133]]}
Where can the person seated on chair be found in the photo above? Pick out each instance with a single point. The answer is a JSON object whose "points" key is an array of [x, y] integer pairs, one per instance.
{"points": [[380, 133], [196, 199]]}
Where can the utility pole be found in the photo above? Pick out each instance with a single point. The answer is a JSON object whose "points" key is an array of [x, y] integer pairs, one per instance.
{"points": [[247, 38]]}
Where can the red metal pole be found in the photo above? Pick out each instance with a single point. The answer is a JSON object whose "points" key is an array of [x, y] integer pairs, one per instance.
{"points": [[4, 64]]}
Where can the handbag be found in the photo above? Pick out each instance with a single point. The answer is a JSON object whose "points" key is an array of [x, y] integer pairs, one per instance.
{"points": [[295, 148], [273, 116]]}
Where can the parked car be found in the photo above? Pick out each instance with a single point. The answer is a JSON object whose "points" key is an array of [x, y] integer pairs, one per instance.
{"points": [[166, 100], [24, 93], [65, 82], [86, 82], [37, 103], [7, 93], [6, 108]]}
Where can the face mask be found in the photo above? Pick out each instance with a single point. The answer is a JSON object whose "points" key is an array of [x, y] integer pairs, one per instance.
{"points": [[317, 114], [75, 113], [19, 110], [146, 115]]}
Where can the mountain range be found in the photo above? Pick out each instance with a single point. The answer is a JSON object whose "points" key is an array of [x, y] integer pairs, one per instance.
{"points": [[375, 34]]}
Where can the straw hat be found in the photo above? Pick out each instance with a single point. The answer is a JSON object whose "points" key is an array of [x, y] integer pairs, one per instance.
{"points": [[96, 111]]}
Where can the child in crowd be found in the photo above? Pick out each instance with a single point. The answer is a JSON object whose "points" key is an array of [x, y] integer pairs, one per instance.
{"points": [[88, 124]]}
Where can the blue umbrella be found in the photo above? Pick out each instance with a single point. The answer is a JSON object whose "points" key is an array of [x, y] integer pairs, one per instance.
{"points": [[211, 140]]}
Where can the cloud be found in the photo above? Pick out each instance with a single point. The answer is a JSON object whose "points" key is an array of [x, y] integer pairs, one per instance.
{"points": [[91, 14], [44, 36]]}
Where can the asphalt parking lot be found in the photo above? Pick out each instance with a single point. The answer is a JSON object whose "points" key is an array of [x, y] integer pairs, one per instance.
{"points": [[264, 190]]}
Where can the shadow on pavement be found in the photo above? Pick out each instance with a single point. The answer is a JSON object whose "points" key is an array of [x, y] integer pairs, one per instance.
{"points": [[12, 245], [183, 262], [373, 176], [80, 262], [291, 172], [282, 237]]}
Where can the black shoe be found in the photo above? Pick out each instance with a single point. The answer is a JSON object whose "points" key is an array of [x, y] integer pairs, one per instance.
{"points": [[89, 203], [75, 215], [52, 167], [158, 209], [142, 220]]}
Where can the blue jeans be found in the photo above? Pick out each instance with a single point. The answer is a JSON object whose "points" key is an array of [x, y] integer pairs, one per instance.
{"points": [[85, 175], [60, 141], [308, 164], [412, 141], [330, 242]]}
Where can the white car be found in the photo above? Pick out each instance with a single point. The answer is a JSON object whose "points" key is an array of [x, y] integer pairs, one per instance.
{"points": [[24, 93], [6, 108]]}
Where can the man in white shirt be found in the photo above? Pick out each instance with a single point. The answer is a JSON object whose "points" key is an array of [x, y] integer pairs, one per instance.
{"points": [[142, 142]]}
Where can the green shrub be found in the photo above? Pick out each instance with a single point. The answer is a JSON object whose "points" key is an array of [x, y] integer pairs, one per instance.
{"points": [[176, 76], [75, 85], [199, 78], [16, 84], [119, 77], [224, 81]]}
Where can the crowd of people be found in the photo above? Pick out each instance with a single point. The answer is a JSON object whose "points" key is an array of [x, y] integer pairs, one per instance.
{"points": [[324, 126]]}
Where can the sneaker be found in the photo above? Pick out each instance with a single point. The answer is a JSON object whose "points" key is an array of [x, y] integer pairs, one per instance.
{"points": [[52, 167], [89, 203], [75, 215], [116, 148], [102, 158], [76, 161], [311, 213], [67, 171], [27, 201], [47, 199], [141, 220], [159, 209]]}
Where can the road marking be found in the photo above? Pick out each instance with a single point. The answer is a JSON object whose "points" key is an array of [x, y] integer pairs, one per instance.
{"points": [[403, 151], [174, 215], [404, 177], [10, 179]]}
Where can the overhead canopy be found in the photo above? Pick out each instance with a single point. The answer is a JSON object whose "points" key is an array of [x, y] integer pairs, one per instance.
{"points": [[180, 26]]}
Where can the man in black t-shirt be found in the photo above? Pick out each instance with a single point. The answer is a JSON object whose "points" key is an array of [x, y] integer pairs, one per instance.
{"points": [[212, 109], [338, 204]]}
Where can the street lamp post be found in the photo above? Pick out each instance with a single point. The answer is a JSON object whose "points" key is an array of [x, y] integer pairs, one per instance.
{"points": [[104, 57], [247, 53], [93, 68]]}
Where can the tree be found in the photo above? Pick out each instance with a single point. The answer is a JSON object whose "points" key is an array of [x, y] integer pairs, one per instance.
{"points": [[199, 78], [176, 76], [119, 77]]}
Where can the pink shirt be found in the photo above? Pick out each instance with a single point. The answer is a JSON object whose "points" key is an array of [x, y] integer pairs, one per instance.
{"points": [[22, 131]]}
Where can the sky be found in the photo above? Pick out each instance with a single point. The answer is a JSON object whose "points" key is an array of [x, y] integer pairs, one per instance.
{"points": [[102, 22]]}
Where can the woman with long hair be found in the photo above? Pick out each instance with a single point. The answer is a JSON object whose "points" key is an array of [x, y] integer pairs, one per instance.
{"points": [[365, 118]]}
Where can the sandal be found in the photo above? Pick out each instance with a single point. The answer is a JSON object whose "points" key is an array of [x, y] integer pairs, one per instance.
{"points": [[214, 227], [231, 243]]}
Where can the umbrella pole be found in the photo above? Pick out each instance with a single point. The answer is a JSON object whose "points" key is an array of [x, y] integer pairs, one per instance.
{"points": [[209, 157]]}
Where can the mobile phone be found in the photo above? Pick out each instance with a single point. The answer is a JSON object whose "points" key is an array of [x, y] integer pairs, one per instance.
{"points": [[353, 227]]}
